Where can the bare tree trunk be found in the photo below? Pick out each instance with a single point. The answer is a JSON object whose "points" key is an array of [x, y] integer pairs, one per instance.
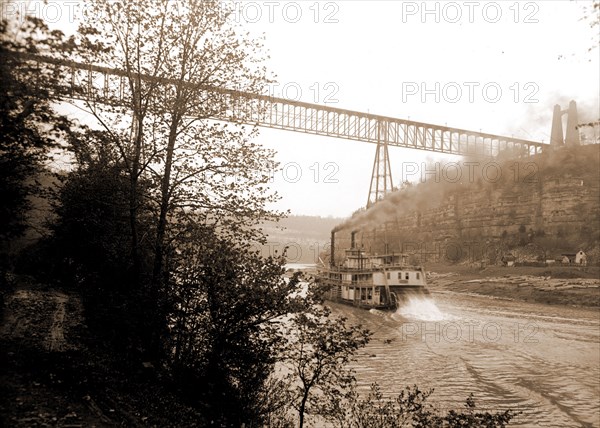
{"points": [[164, 203], [134, 202], [302, 408]]}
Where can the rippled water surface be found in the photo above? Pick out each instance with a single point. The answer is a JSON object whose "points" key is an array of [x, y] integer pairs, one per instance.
{"points": [[542, 360]]}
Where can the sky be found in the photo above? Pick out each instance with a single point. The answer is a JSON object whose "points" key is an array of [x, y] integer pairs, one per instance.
{"points": [[496, 67], [410, 60]]}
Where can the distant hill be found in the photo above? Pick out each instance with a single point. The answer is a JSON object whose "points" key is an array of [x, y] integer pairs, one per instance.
{"points": [[304, 226], [305, 237]]}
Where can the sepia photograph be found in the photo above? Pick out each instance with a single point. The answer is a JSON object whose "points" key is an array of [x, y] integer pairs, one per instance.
{"points": [[290, 214]]}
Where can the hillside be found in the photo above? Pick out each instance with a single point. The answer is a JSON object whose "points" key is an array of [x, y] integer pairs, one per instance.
{"points": [[537, 208]]}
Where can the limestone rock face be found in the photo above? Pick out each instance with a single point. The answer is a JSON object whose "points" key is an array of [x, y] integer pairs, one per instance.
{"points": [[553, 204]]}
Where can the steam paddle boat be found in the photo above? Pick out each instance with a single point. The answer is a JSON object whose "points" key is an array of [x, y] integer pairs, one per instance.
{"points": [[379, 281]]}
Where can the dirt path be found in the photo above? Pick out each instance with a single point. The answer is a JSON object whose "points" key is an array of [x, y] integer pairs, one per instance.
{"points": [[56, 339], [39, 318], [39, 340]]}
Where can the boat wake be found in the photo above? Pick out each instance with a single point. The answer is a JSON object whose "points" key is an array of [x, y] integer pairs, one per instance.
{"points": [[420, 308]]}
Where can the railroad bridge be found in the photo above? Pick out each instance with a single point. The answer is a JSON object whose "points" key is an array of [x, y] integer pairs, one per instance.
{"points": [[100, 84]]}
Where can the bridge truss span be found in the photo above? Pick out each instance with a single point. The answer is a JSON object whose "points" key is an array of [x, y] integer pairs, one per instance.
{"points": [[100, 84], [352, 125]]}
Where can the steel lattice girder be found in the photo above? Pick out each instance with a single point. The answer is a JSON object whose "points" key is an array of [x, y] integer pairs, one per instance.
{"points": [[109, 85]]}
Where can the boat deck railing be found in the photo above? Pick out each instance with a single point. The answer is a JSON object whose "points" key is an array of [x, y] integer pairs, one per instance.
{"points": [[352, 283], [370, 284], [374, 268]]}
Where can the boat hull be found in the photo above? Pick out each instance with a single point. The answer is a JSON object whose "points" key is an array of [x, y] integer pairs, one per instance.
{"points": [[373, 297]]}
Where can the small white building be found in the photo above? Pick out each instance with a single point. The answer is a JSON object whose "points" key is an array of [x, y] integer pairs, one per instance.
{"points": [[580, 258]]}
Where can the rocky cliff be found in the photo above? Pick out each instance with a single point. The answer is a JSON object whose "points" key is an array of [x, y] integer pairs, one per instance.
{"points": [[545, 204]]}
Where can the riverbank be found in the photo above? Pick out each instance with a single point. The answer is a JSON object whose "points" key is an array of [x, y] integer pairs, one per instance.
{"points": [[53, 374], [556, 285]]}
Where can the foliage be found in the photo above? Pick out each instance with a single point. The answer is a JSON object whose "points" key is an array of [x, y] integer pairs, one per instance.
{"points": [[156, 181], [28, 125], [210, 169], [411, 409], [319, 349], [376, 411], [225, 325], [196, 170], [90, 247], [591, 15]]}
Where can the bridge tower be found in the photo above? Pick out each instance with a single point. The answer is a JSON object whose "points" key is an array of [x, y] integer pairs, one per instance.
{"points": [[381, 178], [571, 137]]}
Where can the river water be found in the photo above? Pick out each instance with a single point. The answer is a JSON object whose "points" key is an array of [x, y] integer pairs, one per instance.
{"points": [[538, 359]]}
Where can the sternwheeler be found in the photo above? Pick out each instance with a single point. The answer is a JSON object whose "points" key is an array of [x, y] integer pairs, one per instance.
{"points": [[378, 281]]}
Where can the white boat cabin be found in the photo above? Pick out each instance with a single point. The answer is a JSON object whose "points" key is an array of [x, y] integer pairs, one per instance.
{"points": [[377, 281]]}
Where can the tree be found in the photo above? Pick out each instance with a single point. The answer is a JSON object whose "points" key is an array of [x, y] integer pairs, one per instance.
{"points": [[227, 305], [319, 349], [169, 51], [29, 129], [591, 13], [28, 124], [375, 411], [199, 169], [90, 246]]}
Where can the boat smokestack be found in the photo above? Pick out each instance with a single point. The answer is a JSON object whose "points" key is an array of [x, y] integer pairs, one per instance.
{"points": [[352, 240], [332, 259]]}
